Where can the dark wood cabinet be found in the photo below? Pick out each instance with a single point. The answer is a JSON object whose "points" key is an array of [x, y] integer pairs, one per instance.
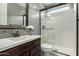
{"points": [[32, 48]]}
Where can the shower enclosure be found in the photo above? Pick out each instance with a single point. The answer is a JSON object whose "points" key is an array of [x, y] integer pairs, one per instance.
{"points": [[58, 28]]}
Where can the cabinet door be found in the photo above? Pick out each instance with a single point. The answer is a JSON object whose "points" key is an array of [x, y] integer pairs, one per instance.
{"points": [[35, 50], [25, 53], [38, 53]]}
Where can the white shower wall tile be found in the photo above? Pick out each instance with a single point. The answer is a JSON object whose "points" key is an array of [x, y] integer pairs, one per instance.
{"points": [[48, 36]]}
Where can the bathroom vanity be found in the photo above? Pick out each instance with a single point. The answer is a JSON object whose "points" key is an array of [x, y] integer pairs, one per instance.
{"points": [[27, 47]]}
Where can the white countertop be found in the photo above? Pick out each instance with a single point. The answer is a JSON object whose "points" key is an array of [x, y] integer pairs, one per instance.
{"points": [[7, 43]]}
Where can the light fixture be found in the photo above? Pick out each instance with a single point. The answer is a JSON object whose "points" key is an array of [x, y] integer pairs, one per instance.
{"points": [[59, 10]]}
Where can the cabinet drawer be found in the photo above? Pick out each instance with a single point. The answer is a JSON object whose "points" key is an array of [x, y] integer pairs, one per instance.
{"points": [[38, 53], [33, 43], [15, 51], [25, 53], [35, 50]]}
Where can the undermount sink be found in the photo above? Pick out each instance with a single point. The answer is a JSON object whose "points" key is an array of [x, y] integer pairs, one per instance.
{"points": [[26, 37]]}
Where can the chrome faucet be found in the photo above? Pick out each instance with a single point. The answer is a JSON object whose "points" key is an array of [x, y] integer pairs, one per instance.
{"points": [[16, 34]]}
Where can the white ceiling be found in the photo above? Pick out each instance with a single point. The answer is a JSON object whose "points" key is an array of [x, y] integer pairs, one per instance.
{"points": [[38, 6], [21, 4]]}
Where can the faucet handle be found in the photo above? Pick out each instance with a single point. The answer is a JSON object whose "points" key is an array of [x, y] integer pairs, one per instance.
{"points": [[17, 33], [55, 50]]}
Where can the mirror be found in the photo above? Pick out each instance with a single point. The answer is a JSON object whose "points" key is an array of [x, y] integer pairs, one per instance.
{"points": [[13, 14]]}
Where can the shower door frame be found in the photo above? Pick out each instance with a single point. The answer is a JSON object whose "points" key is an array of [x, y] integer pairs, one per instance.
{"points": [[76, 24]]}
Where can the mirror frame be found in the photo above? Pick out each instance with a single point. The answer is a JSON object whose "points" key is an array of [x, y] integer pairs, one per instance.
{"points": [[19, 27]]}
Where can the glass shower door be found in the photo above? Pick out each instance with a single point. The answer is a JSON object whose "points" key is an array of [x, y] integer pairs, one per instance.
{"points": [[47, 29], [58, 28]]}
